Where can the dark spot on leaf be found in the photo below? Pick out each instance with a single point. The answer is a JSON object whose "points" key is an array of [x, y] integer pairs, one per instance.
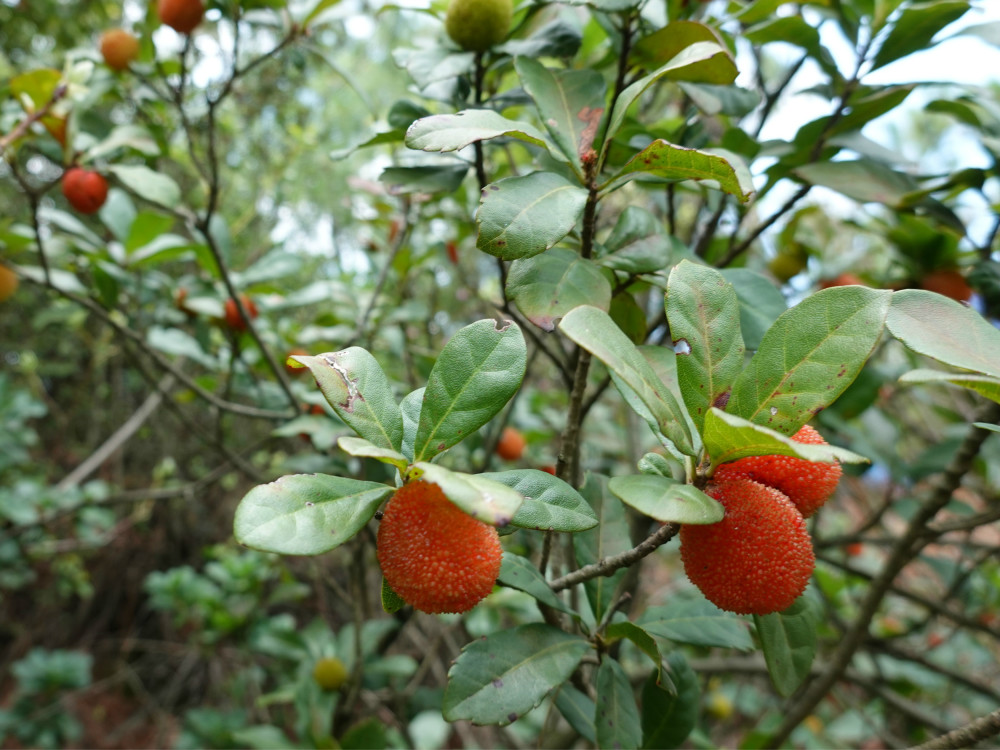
{"points": [[498, 683], [441, 446], [333, 531], [501, 243], [309, 504], [502, 325], [512, 716], [722, 399], [502, 521]]}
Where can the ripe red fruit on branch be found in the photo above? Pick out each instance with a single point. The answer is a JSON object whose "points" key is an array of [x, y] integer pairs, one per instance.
{"points": [[808, 484], [758, 559], [180, 15], [511, 444], [233, 318], [118, 48], [86, 191], [8, 283], [434, 555]]}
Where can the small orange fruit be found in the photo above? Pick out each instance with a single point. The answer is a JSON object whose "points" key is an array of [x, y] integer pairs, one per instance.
{"points": [[433, 554], [947, 281], [182, 16], [844, 279], [86, 191], [511, 444], [8, 283], [233, 318], [119, 48]]}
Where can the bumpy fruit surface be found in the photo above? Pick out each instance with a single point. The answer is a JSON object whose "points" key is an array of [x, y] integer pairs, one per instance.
{"points": [[180, 15], [86, 191], [330, 673], [511, 444], [118, 48], [757, 559], [233, 318], [477, 25], [808, 484], [435, 556], [8, 283]]}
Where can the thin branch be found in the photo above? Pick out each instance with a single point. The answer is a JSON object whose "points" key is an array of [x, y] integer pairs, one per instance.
{"points": [[966, 736], [609, 565]]}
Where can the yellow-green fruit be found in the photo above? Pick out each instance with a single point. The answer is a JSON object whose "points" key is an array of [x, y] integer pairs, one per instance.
{"points": [[330, 674], [476, 25]]}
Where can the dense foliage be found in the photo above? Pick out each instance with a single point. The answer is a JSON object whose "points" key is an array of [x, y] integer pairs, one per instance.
{"points": [[565, 276]]}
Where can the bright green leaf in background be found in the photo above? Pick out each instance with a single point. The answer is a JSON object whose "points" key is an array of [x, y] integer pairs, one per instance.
{"points": [[475, 375], [306, 514]]}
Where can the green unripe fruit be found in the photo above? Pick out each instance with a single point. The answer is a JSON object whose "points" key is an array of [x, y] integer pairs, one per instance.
{"points": [[477, 25], [330, 674]]}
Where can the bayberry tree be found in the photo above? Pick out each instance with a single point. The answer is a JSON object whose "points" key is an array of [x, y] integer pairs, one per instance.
{"points": [[637, 417]]}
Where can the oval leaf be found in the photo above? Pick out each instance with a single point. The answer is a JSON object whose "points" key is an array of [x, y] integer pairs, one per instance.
{"points": [[594, 330], [666, 500], [365, 449], [306, 514], [518, 573], [548, 286], [728, 438], [454, 132], [488, 501], [667, 719], [809, 357], [523, 216], [704, 313], [670, 162], [617, 718], [788, 640], [146, 183], [356, 387], [982, 384], [475, 375], [695, 620], [498, 679], [550, 504], [928, 323]]}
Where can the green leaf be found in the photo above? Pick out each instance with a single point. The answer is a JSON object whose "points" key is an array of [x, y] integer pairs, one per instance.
{"points": [[570, 104], [983, 384], [147, 227], [578, 710], [475, 375], [355, 386], [761, 302], [549, 502], [523, 216], [306, 514], [704, 313], [410, 409], [146, 183], [499, 678], [793, 29], [366, 449], [916, 27], [645, 643], [945, 330], [685, 61], [638, 243], [594, 330], [484, 499], [655, 465], [864, 180], [610, 537], [617, 717], [391, 601], [548, 286], [439, 178], [666, 499], [670, 162], [519, 573], [668, 718], [456, 131], [667, 43], [811, 354], [696, 621], [788, 640], [728, 438], [317, 9]]}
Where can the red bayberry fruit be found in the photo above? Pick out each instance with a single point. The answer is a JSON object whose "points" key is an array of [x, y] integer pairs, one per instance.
{"points": [[8, 283], [233, 318], [180, 15], [86, 191], [949, 282], [435, 556], [119, 48], [757, 559], [511, 444], [452, 249], [808, 484]]}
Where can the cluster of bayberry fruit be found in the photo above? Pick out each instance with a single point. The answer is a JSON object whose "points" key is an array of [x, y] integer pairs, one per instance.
{"points": [[759, 558], [87, 190]]}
